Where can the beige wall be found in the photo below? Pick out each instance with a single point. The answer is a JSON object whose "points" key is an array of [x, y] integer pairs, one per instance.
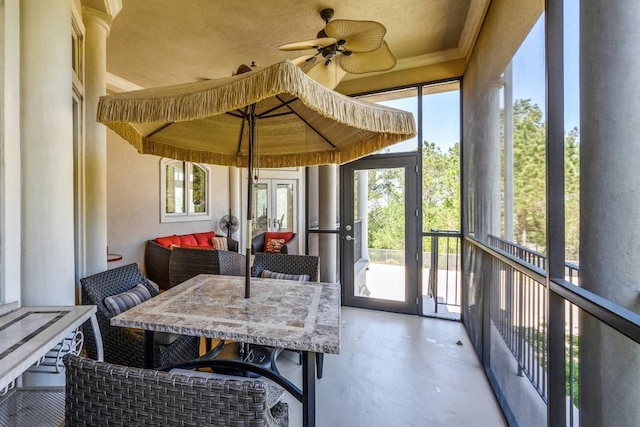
{"points": [[133, 201]]}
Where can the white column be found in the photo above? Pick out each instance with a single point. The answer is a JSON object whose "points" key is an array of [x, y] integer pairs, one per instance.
{"points": [[47, 154], [327, 221], [312, 203], [609, 206], [508, 153], [235, 195], [363, 214], [486, 170], [97, 26], [10, 179]]}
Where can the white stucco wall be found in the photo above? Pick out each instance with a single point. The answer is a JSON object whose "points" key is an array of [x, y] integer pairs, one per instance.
{"points": [[10, 199], [48, 264], [133, 201]]}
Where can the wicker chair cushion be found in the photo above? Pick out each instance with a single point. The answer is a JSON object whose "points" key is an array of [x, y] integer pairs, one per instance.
{"points": [[119, 303], [219, 243], [274, 391], [267, 274]]}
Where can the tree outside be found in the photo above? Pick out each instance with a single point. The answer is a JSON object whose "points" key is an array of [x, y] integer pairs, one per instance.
{"points": [[441, 188]]}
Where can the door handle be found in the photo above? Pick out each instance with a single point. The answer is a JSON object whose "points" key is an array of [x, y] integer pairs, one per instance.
{"points": [[348, 238]]}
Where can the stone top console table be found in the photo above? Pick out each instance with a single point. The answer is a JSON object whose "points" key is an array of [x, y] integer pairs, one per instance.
{"points": [[28, 333]]}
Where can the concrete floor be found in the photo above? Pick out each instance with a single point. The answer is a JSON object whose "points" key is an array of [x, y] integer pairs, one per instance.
{"points": [[398, 370]]}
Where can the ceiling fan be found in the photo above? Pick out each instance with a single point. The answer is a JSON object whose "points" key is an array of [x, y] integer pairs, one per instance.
{"points": [[344, 46]]}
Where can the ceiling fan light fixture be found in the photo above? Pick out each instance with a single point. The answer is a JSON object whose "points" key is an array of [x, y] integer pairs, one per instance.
{"points": [[367, 51], [327, 14]]}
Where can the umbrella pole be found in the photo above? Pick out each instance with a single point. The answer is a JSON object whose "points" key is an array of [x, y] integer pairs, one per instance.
{"points": [[252, 134]]}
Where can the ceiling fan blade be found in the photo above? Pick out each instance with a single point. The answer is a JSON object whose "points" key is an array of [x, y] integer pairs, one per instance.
{"points": [[361, 36], [368, 62], [327, 75], [309, 44], [305, 62]]}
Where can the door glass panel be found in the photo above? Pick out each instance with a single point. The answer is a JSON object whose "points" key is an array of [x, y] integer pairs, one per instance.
{"points": [[260, 214], [379, 234], [283, 217]]}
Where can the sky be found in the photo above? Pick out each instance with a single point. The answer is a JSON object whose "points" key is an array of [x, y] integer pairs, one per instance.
{"points": [[441, 118], [441, 111], [528, 66]]}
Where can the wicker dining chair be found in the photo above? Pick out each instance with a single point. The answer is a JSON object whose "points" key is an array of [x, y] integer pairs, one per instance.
{"points": [[286, 264], [99, 392], [186, 263], [123, 345], [294, 265]]}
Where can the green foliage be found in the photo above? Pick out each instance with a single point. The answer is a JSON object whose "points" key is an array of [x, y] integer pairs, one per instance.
{"points": [[572, 194], [440, 187], [386, 208], [529, 175], [529, 152]]}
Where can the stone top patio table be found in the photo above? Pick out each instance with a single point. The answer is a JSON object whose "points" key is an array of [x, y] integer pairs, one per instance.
{"points": [[280, 313]]}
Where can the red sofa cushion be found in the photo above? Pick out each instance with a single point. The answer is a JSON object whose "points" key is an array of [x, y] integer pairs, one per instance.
{"points": [[204, 248], [167, 241], [204, 239], [188, 240]]}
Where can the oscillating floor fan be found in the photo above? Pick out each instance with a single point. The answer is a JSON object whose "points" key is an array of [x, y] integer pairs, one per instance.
{"points": [[229, 224]]}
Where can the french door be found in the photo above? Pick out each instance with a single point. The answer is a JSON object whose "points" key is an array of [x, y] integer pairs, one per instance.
{"points": [[274, 205], [379, 233]]}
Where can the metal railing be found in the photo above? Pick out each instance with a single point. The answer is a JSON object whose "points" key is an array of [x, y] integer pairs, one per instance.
{"points": [[519, 298], [444, 265], [519, 314]]}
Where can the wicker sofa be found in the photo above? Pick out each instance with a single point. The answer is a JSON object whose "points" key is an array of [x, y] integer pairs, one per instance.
{"points": [[158, 254]]}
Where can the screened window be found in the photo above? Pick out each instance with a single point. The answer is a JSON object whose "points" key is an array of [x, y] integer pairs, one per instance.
{"points": [[185, 191]]}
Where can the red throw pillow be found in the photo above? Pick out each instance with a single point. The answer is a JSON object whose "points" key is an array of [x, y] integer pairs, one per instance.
{"points": [[286, 235], [188, 240], [204, 239], [274, 245]]}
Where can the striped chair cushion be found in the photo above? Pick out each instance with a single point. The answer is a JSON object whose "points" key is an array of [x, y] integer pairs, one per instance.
{"points": [[219, 243], [117, 304], [274, 275]]}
